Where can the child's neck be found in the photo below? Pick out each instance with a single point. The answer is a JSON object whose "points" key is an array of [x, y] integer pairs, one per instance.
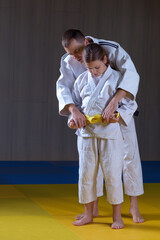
{"points": [[106, 66]]}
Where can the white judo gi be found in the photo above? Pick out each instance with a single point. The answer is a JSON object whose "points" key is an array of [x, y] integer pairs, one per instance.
{"points": [[70, 69], [101, 142]]}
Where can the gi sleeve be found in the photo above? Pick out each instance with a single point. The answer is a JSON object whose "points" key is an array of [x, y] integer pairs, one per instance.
{"points": [[76, 100], [126, 108], [76, 95], [130, 79], [64, 87]]}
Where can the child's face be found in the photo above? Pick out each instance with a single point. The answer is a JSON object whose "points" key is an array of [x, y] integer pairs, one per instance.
{"points": [[97, 67]]}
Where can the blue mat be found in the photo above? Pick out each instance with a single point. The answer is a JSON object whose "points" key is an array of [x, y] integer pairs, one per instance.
{"points": [[58, 172]]}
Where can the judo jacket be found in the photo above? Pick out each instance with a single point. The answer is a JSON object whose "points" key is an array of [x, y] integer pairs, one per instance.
{"points": [[70, 69], [91, 98]]}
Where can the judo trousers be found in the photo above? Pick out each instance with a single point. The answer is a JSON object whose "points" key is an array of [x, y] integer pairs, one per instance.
{"points": [[109, 154], [132, 170]]}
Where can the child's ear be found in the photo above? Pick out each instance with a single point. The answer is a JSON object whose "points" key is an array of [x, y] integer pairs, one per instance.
{"points": [[105, 59]]}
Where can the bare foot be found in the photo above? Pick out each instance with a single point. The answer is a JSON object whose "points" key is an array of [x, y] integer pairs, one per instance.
{"points": [[117, 223], [78, 217], [84, 220], [137, 218]]}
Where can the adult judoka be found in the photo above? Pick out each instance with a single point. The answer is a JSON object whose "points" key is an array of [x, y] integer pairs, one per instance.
{"points": [[72, 66]]}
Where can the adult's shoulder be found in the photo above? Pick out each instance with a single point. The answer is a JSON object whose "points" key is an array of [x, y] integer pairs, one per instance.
{"points": [[66, 57], [69, 60], [108, 43], [105, 43]]}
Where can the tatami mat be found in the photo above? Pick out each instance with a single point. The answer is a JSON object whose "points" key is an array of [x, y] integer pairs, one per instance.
{"points": [[36, 212]]}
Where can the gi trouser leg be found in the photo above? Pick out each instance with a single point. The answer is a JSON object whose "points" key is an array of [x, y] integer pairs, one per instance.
{"points": [[111, 158], [88, 169], [132, 171], [110, 154], [100, 182]]}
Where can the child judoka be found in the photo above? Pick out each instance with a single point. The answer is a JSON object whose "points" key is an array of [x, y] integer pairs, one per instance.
{"points": [[100, 141]]}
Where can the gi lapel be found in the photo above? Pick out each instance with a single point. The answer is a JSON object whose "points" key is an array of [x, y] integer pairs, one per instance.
{"points": [[98, 89]]}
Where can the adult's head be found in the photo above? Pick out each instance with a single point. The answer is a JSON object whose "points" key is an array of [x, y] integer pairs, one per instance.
{"points": [[74, 42], [95, 58]]}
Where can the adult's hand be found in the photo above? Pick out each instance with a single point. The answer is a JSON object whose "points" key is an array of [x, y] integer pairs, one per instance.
{"points": [[78, 118], [114, 118], [72, 124], [109, 110], [113, 104]]}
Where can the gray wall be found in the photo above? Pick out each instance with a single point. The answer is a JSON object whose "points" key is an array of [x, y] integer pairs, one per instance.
{"points": [[30, 51]]}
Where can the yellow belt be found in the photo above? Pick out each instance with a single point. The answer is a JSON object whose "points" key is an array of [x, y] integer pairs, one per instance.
{"points": [[96, 118]]}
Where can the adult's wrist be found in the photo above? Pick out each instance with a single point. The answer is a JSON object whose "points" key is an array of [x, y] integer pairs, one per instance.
{"points": [[119, 95], [71, 107]]}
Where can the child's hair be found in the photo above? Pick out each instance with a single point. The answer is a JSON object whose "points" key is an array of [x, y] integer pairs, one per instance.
{"points": [[72, 34], [93, 52]]}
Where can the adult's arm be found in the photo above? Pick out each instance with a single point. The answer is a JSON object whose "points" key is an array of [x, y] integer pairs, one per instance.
{"points": [[126, 108], [113, 104], [130, 77], [78, 118], [64, 88], [129, 82]]}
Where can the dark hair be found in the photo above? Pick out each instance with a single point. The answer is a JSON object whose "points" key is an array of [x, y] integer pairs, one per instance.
{"points": [[72, 34], [93, 52]]}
